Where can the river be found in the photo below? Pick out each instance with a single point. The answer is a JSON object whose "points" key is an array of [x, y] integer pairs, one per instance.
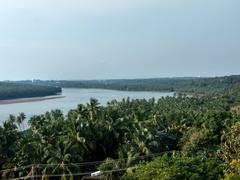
{"points": [[73, 97]]}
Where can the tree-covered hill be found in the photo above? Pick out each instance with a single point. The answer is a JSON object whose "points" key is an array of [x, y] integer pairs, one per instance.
{"points": [[226, 86], [191, 84], [10, 90]]}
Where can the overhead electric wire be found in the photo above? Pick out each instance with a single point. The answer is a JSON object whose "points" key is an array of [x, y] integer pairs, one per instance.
{"points": [[73, 174], [98, 162], [81, 163], [90, 163]]}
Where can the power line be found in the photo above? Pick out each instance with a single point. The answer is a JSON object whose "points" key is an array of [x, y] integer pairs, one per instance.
{"points": [[73, 174], [99, 162], [53, 175], [80, 164], [91, 163]]}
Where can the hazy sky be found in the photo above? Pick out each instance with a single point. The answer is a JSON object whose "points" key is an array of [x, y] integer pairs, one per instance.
{"points": [[104, 39]]}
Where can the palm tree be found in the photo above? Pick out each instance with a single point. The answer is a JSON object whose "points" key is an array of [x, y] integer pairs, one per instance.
{"points": [[8, 139], [93, 108], [60, 154], [20, 119]]}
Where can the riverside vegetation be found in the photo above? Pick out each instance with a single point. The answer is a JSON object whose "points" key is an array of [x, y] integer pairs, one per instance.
{"points": [[181, 137], [11, 90]]}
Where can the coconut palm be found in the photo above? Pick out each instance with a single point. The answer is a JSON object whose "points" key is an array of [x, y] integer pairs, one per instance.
{"points": [[20, 119]]}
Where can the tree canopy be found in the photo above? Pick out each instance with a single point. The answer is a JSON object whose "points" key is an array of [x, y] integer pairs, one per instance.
{"points": [[10, 90], [181, 137]]}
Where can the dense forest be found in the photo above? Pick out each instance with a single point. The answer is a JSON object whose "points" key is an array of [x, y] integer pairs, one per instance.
{"points": [[189, 84], [10, 90], [181, 137], [193, 85], [211, 86]]}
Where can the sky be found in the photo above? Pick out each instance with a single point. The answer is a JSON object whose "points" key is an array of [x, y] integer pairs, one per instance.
{"points": [[112, 39]]}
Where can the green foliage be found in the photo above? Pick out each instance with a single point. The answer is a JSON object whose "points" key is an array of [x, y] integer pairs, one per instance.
{"points": [[178, 167], [128, 130], [230, 145], [230, 151], [233, 171], [226, 87], [10, 90], [8, 139]]}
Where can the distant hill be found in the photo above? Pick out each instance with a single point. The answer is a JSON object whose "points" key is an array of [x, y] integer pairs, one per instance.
{"points": [[177, 84]]}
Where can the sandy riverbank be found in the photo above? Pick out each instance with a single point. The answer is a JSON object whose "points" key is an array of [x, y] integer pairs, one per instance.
{"points": [[26, 100]]}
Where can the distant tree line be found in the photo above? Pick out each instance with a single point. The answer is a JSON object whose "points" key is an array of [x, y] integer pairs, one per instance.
{"points": [[227, 87], [191, 84], [10, 90]]}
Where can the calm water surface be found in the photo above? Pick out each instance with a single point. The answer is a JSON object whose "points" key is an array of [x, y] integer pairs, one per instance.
{"points": [[72, 98]]}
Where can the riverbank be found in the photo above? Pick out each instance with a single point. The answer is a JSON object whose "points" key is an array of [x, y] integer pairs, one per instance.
{"points": [[27, 100]]}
